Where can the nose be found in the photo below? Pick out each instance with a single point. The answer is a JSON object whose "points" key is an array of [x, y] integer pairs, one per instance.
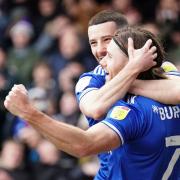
{"points": [[101, 50]]}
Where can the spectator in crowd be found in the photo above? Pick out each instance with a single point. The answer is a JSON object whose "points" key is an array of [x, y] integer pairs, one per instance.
{"points": [[70, 49], [47, 11], [48, 165], [152, 27], [12, 160], [68, 77], [22, 57], [68, 110], [46, 41], [42, 79], [51, 166], [174, 48], [7, 79], [126, 7], [75, 9]]}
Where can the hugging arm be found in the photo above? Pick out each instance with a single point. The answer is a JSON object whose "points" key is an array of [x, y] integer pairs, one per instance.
{"points": [[166, 91], [96, 103]]}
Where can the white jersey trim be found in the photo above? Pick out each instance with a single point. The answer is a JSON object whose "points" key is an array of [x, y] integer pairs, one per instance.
{"points": [[115, 129], [85, 92], [99, 71], [174, 73]]}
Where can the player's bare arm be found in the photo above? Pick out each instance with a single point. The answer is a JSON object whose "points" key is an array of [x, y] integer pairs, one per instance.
{"points": [[166, 91], [66, 137]]}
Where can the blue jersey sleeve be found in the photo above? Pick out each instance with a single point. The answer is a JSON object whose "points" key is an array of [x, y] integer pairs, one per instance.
{"points": [[90, 81], [127, 121]]}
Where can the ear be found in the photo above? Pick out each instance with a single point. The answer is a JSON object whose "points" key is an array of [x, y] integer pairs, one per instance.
{"points": [[130, 47]]}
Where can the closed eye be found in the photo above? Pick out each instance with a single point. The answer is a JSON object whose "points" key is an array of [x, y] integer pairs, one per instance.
{"points": [[107, 38], [92, 43]]}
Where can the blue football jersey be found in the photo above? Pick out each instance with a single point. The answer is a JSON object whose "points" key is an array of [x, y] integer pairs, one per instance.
{"points": [[110, 162], [150, 136], [88, 82]]}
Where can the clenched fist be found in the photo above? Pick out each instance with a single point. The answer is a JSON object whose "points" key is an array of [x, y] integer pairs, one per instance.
{"points": [[17, 101]]}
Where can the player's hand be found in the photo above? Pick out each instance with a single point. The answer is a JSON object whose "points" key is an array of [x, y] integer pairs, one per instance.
{"points": [[142, 59], [17, 101]]}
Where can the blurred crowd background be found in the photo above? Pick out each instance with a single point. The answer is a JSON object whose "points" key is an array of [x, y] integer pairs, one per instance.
{"points": [[44, 45]]}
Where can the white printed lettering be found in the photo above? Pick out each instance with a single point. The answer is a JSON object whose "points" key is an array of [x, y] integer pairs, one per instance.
{"points": [[162, 114], [170, 114], [176, 111]]}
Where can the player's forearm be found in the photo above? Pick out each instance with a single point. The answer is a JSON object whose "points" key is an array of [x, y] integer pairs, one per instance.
{"points": [[99, 101], [164, 91], [70, 139], [66, 137]]}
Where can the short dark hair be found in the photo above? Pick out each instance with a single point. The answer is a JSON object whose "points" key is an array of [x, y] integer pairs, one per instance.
{"points": [[140, 36], [108, 16]]}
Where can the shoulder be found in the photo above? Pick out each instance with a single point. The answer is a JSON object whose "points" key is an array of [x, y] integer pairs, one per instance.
{"points": [[97, 72], [126, 120], [121, 109], [168, 66], [90, 81], [95, 78], [170, 69]]}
